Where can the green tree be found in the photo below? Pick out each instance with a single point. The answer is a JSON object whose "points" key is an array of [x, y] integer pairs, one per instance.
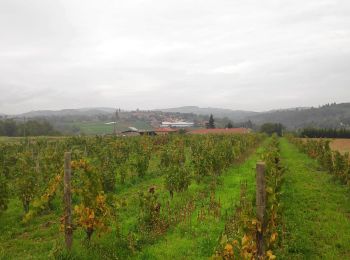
{"points": [[229, 125], [271, 128], [211, 123], [9, 127]]}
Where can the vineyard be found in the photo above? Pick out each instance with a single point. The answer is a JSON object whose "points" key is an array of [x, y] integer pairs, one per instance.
{"points": [[165, 197], [333, 161]]}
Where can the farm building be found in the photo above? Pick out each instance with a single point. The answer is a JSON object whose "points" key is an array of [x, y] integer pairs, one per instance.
{"points": [[165, 131], [132, 131], [177, 124], [129, 133]]}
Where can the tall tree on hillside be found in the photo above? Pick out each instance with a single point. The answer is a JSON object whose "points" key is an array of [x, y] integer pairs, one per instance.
{"points": [[115, 121], [211, 123]]}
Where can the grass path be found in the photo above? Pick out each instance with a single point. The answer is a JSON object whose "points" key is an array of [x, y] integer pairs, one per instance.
{"points": [[316, 210], [199, 239]]}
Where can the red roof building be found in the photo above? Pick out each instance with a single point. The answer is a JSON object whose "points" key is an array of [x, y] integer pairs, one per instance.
{"points": [[164, 130], [221, 131]]}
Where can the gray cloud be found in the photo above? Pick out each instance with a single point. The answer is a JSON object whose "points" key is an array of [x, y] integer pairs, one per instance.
{"points": [[254, 55]]}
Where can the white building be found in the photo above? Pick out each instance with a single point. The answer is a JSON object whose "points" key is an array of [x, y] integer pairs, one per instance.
{"points": [[177, 124]]}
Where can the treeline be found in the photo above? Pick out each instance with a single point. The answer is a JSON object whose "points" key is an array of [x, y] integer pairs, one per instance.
{"points": [[272, 128], [325, 133], [10, 127]]}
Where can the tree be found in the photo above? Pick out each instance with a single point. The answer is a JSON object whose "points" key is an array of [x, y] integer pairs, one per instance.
{"points": [[9, 127], [248, 124], [271, 128], [211, 123], [325, 133], [229, 125]]}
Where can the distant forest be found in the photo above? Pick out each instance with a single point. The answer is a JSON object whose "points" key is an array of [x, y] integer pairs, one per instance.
{"points": [[325, 133], [10, 127]]}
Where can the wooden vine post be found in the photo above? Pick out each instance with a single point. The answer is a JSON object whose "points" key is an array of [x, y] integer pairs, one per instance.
{"points": [[260, 207], [68, 225]]}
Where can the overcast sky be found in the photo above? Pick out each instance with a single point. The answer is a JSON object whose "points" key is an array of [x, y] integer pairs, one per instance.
{"points": [[239, 54]]}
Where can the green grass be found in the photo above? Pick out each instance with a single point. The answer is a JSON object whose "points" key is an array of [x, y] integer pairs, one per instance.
{"points": [[20, 241], [198, 239], [93, 128], [316, 210]]}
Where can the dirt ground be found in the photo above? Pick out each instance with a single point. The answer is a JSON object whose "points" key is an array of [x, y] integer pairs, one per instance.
{"points": [[342, 145]]}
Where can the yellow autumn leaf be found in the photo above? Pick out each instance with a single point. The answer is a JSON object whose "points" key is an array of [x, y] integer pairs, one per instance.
{"points": [[245, 239], [270, 255], [92, 215], [229, 248], [273, 237], [258, 226]]}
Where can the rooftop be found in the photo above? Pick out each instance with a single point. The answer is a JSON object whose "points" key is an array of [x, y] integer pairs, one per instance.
{"points": [[165, 129], [221, 131]]}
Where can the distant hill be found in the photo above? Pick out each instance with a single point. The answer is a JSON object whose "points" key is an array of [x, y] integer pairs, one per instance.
{"points": [[235, 115], [327, 116], [69, 112]]}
